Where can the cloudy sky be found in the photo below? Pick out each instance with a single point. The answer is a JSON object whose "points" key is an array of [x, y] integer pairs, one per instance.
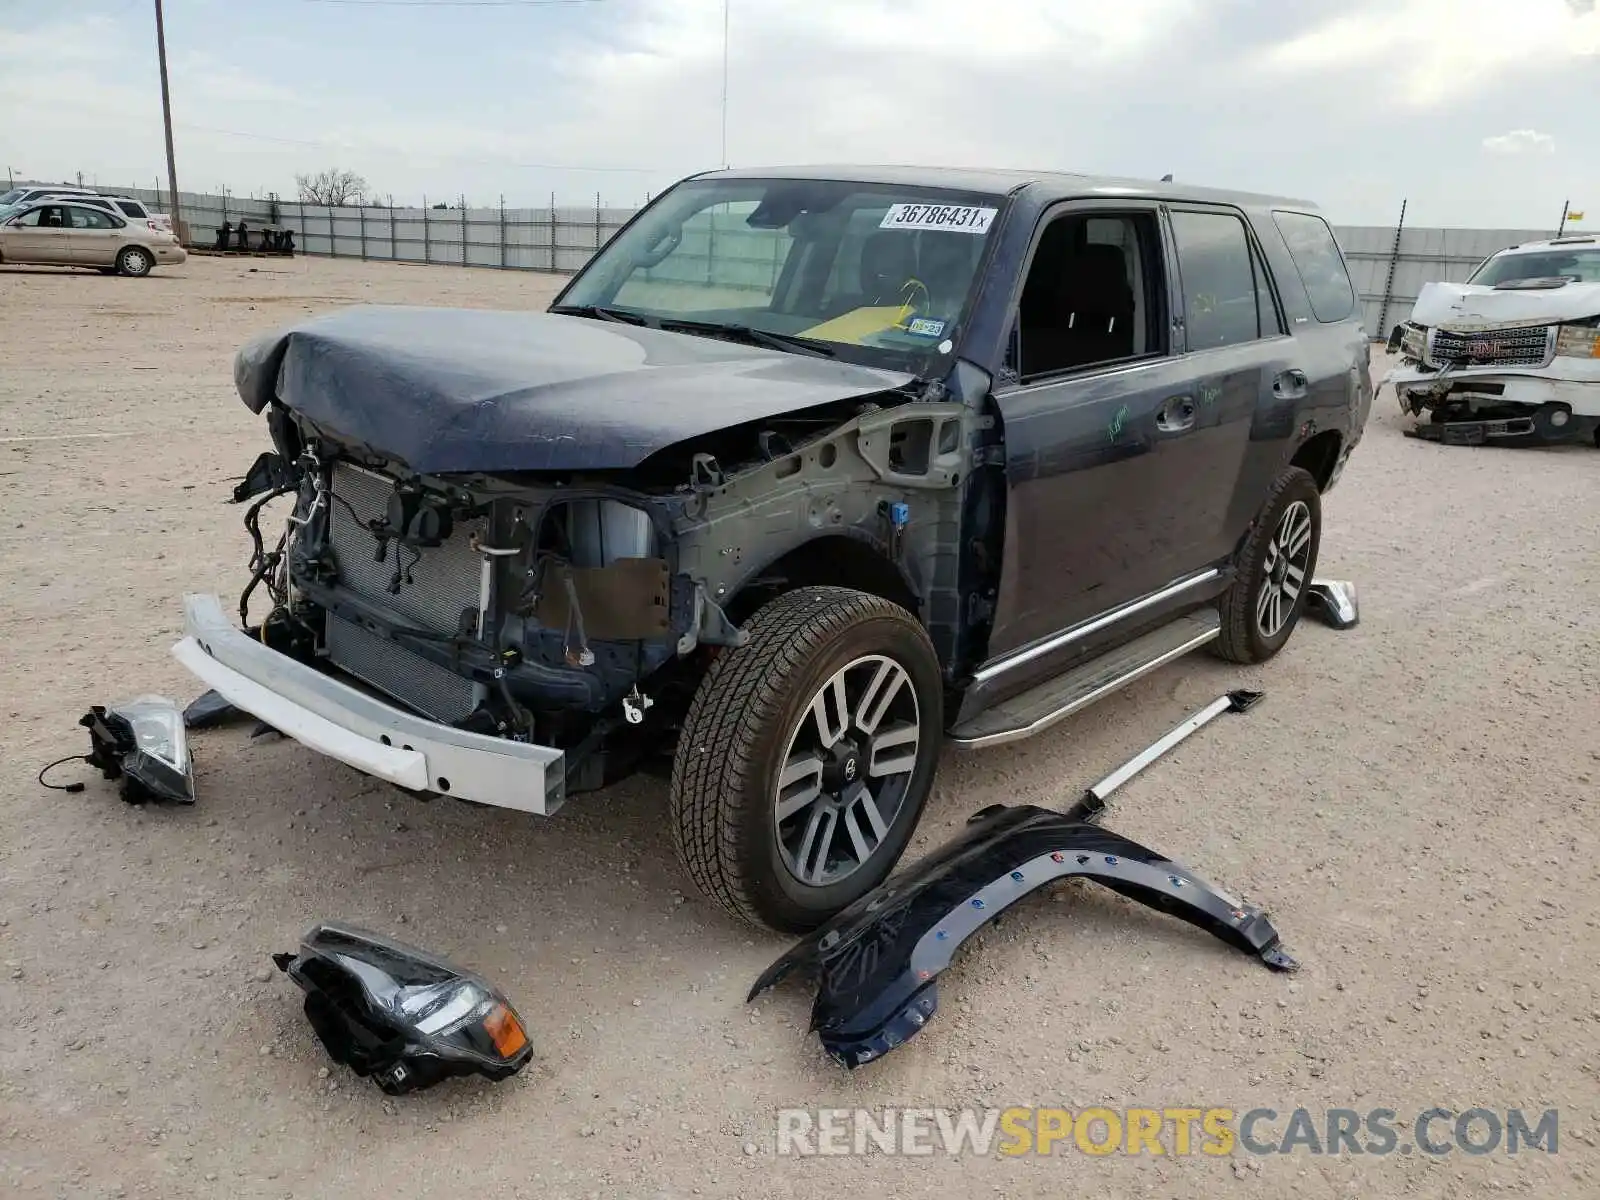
{"points": [[1481, 112]]}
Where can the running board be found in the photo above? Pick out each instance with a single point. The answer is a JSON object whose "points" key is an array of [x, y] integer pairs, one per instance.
{"points": [[1041, 707]]}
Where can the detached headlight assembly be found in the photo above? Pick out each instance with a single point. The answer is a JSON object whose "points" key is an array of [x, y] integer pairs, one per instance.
{"points": [[143, 743], [404, 1017]]}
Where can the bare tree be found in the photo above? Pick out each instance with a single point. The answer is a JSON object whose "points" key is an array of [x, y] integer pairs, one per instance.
{"points": [[332, 186]]}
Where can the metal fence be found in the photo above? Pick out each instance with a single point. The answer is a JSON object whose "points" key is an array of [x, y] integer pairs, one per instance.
{"points": [[1388, 270]]}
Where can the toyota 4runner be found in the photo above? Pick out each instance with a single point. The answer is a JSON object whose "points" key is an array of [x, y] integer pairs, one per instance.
{"points": [[807, 474]]}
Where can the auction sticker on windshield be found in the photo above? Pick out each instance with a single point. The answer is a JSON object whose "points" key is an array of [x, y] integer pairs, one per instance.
{"points": [[957, 218]]}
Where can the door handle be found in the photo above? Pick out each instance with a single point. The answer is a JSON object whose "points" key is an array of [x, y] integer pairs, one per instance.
{"points": [[1290, 385], [1176, 414]]}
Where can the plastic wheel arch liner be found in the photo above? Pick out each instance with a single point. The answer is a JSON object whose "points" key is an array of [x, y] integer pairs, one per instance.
{"points": [[878, 960]]}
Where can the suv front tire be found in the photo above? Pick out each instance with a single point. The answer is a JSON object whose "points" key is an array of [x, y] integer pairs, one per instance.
{"points": [[807, 756]]}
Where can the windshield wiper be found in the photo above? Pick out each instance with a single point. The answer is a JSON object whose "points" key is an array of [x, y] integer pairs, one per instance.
{"points": [[601, 313], [752, 336]]}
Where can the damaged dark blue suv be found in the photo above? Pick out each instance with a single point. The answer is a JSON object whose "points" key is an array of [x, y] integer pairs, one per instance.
{"points": [[806, 475]]}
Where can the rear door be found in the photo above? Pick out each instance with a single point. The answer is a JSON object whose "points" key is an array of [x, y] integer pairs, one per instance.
{"points": [[37, 236], [1242, 364], [96, 236]]}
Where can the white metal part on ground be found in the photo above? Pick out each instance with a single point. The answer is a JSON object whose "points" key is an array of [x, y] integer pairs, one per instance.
{"points": [[347, 724]]}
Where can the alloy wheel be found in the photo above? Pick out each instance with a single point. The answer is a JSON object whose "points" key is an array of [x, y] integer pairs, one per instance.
{"points": [[846, 770], [1284, 569]]}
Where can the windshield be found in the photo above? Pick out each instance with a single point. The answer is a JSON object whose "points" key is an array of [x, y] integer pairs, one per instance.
{"points": [[12, 197], [1579, 264], [874, 273]]}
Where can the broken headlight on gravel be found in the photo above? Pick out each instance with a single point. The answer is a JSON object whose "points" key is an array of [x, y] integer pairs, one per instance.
{"points": [[403, 1016], [142, 742]]}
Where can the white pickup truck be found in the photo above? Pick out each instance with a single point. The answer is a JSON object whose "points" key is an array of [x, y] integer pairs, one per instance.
{"points": [[1512, 356]]}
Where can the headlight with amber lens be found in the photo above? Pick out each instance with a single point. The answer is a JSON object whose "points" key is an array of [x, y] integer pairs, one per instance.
{"points": [[1578, 341], [403, 1016]]}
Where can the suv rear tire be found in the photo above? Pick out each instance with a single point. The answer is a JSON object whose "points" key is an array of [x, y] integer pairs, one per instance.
{"points": [[1276, 566], [788, 805]]}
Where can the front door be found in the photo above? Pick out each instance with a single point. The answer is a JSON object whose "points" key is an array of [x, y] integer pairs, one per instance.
{"points": [[1118, 457], [37, 236]]}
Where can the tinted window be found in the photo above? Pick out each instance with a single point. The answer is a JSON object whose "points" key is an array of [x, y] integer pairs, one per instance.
{"points": [[1266, 301], [1219, 279], [90, 218], [131, 208], [1316, 256]]}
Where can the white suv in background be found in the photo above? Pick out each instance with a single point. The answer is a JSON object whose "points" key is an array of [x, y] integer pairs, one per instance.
{"points": [[124, 206], [18, 196]]}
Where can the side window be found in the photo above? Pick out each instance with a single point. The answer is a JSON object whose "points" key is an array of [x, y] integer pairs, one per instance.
{"points": [[1266, 303], [31, 219], [90, 218], [132, 208], [1316, 257], [1091, 295], [1219, 279]]}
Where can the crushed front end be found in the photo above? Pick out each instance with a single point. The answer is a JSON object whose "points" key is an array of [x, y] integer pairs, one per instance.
{"points": [[499, 616], [1473, 377], [494, 553]]}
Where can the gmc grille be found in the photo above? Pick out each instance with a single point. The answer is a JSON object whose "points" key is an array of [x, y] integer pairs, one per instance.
{"points": [[1529, 346]]}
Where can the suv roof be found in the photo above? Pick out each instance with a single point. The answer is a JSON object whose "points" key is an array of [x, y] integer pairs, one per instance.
{"points": [[1056, 185], [1571, 239], [107, 197]]}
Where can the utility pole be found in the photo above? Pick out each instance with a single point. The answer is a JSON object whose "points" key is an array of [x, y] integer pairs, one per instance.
{"points": [[725, 83], [166, 120], [1566, 207]]}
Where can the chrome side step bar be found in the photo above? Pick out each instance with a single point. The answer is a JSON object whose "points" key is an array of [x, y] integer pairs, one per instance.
{"points": [[1056, 699]]}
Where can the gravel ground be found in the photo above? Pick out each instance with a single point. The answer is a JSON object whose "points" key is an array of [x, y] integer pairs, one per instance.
{"points": [[1414, 801]]}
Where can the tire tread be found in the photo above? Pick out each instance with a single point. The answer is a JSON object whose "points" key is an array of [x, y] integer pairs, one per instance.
{"points": [[736, 703], [1236, 642]]}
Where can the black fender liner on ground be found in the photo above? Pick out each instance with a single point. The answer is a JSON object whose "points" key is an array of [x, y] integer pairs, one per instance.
{"points": [[877, 961]]}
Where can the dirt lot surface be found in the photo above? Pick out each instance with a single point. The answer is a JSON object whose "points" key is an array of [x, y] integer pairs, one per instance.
{"points": [[1414, 801]]}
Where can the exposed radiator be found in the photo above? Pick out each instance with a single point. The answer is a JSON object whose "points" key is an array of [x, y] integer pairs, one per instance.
{"points": [[441, 597], [445, 579], [411, 679]]}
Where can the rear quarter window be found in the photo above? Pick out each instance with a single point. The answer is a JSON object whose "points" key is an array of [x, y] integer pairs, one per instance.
{"points": [[1320, 265]]}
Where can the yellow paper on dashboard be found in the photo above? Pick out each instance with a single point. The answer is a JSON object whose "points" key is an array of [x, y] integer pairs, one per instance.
{"points": [[858, 323]]}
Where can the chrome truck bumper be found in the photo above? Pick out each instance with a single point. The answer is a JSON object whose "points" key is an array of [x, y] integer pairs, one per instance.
{"points": [[336, 719]]}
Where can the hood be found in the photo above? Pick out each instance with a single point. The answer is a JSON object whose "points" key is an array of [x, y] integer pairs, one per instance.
{"points": [[453, 390], [1466, 306]]}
